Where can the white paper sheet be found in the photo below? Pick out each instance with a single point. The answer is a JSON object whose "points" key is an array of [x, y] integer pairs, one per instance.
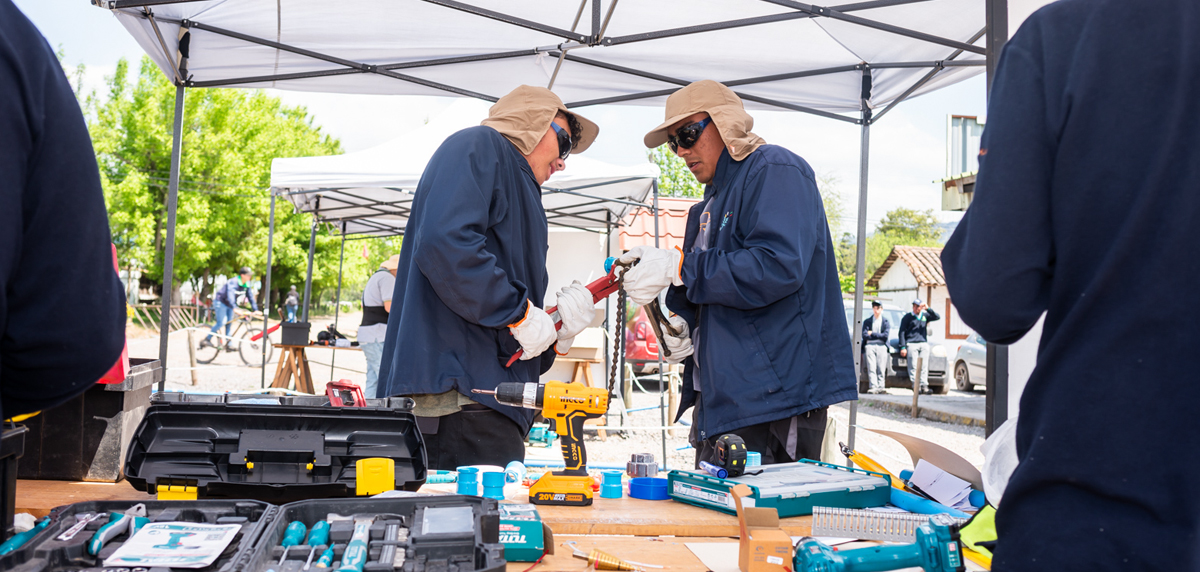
{"points": [[942, 486], [174, 545]]}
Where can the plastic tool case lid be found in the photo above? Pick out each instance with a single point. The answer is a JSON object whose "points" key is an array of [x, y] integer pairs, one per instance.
{"points": [[275, 449]]}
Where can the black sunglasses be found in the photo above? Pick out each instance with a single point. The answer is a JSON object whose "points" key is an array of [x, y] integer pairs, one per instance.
{"points": [[564, 141], [687, 135]]}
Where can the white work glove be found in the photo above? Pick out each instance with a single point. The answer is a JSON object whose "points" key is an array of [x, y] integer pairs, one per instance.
{"points": [[681, 347], [535, 332], [561, 347], [576, 309], [657, 269]]}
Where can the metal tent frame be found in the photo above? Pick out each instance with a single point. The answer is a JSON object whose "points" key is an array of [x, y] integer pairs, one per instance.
{"points": [[995, 31]]}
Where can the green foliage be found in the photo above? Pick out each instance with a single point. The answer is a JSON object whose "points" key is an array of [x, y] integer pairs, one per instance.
{"points": [[675, 180], [900, 226], [230, 137]]}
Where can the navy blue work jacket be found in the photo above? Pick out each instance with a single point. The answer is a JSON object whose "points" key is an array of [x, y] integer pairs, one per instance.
{"points": [[474, 251], [763, 299], [879, 338], [1086, 209]]}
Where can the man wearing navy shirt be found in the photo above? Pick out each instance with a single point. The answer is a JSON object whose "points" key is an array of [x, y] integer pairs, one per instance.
{"points": [[1086, 211], [914, 342], [62, 306], [755, 287]]}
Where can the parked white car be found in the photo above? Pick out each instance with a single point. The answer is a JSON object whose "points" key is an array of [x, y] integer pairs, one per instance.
{"points": [[970, 364]]}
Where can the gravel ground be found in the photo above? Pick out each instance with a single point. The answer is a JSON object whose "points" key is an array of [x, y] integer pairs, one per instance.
{"points": [[228, 373]]}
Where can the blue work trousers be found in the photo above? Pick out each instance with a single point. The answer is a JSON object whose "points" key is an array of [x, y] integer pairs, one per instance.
{"points": [[224, 316]]}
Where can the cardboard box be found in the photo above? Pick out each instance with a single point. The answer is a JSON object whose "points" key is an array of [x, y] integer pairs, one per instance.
{"points": [[762, 546], [524, 536]]}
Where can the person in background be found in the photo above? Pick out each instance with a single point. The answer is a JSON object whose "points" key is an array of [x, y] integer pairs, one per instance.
{"points": [[226, 304], [914, 342], [291, 303], [62, 306], [876, 329], [472, 280], [1085, 216], [377, 306], [755, 287]]}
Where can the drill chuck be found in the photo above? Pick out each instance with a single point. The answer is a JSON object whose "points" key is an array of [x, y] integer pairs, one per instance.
{"points": [[527, 395]]}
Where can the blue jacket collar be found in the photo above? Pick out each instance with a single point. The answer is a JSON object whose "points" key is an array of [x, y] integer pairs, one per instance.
{"points": [[726, 169]]}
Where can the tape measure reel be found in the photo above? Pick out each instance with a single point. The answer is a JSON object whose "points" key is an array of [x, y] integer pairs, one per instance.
{"points": [[731, 454]]}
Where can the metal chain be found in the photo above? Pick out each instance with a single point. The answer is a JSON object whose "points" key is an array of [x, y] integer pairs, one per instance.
{"points": [[619, 336]]}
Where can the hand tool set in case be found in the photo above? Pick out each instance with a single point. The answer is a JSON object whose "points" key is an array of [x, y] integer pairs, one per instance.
{"points": [[410, 534], [791, 488]]}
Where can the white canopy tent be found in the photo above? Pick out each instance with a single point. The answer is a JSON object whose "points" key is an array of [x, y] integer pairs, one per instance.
{"points": [[851, 62], [370, 192]]}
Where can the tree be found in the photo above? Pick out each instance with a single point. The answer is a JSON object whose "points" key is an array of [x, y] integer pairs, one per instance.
{"points": [[917, 226], [230, 137], [900, 226], [674, 179]]}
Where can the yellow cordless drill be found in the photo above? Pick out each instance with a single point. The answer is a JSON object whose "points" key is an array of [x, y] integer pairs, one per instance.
{"points": [[567, 406]]}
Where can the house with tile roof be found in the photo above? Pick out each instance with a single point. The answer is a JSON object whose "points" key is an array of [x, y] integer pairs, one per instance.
{"points": [[916, 272]]}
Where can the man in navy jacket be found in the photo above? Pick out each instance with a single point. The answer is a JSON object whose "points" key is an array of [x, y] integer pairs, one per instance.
{"points": [[472, 279], [1085, 211], [755, 286], [875, 331]]}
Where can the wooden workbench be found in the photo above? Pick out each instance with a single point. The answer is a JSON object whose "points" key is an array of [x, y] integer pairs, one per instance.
{"points": [[624, 516]]}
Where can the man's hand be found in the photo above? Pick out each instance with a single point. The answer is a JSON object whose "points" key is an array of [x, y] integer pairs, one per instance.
{"points": [[657, 269], [903, 353], [681, 347], [576, 309], [535, 331]]}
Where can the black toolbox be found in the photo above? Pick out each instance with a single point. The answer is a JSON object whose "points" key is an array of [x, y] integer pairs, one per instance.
{"points": [[431, 534], [271, 448], [12, 446], [84, 439], [45, 553]]}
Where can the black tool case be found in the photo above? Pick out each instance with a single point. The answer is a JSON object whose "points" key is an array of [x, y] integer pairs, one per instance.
{"points": [[271, 448], [437, 534], [440, 534], [45, 553]]}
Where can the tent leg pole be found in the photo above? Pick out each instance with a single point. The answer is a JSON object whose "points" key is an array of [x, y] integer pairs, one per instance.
{"points": [[996, 396], [164, 324], [337, 304], [267, 291], [312, 246], [860, 265], [662, 405], [608, 323]]}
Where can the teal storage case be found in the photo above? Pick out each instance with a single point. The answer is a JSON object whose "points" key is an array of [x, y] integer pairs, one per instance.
{"points": [[793, 489]]}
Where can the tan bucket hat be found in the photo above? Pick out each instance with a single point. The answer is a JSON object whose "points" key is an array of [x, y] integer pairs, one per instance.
{"points": [[722, 105], [524, 115], [391, 263]]}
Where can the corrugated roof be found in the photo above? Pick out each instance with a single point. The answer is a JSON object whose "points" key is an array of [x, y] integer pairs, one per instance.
{"points": [[925, 263], [638, 227]]}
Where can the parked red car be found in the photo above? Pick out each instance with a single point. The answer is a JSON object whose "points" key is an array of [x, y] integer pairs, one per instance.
{"points": [[641, 345]]}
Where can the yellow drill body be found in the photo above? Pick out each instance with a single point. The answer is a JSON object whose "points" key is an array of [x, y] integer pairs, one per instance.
{"points": [[567, 406]]}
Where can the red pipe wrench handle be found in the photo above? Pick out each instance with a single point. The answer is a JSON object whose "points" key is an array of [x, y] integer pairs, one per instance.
{"points": [[600, 289]]}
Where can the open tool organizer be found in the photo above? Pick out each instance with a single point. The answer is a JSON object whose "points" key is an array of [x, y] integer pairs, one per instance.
{"points": [[270, 448], [791, 488], [46, 553], [430, 534]]}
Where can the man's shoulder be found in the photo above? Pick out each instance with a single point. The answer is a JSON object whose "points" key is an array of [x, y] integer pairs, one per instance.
{"points": [[773, 156]]}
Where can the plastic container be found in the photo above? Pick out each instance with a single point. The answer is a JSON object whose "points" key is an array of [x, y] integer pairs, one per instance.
{"points": [[85, 438], [274, 449], [493, 485], [610, 487], [753, 459], [468, 481], [12, 446], [648, 488], [295, 334]]}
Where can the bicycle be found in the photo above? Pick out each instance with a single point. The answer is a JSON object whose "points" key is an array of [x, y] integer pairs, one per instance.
{"points": [[245, 335]]}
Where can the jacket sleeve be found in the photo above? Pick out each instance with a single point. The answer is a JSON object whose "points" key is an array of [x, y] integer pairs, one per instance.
{"points": [[931, 316], [866, 331], [1000, 261], [886, 331], [450, 247], [903, 331], [782, 219]]}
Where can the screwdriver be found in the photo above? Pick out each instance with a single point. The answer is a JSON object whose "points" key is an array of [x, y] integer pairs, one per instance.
{"points": [[317, 536], [326, 559], [292, 535]]}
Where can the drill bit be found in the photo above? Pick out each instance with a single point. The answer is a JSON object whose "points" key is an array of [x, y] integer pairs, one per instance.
{"points": [[484, 391]]}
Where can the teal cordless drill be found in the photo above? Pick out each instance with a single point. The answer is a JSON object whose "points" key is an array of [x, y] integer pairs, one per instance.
{"points": [[937, 549]]}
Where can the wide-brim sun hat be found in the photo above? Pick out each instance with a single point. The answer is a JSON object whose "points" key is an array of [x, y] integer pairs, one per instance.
{"points": [[392, 263], [722, 105], [525, 113]]}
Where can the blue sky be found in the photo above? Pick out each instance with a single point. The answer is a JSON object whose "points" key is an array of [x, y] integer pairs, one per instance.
{"points": [[907, 147]]}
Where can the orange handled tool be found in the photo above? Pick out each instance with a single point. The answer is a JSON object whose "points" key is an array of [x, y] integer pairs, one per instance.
{"points": [[600, 289]]}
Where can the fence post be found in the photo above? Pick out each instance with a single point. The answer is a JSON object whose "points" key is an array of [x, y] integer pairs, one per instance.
{"points": [[192, 355], [916, 385]]}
